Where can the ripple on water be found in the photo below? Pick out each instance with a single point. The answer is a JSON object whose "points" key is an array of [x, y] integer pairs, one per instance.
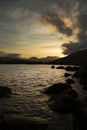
{"points": [[27, 82]]}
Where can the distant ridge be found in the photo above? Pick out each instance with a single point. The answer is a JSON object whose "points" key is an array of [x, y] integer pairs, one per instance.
{"points": [[76, 58], [32, 60]]}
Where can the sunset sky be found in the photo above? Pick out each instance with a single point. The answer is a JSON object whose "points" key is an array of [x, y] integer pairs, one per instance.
{"points": [[43, 27]]}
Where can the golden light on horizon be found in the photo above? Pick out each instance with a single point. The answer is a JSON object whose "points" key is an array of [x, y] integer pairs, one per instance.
{"points": [[39, 52]]}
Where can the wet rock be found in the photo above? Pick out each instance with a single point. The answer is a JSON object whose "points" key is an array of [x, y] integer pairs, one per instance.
{"points": [[52, 66], [67, 105], [73, 94], [69, 102], [70, 81], [85, 87], [80, 119], [67, 74], [80, 73], [69, 68], [85, 98], [57, 88], [5, 91], [82, 76], [60, 67]]}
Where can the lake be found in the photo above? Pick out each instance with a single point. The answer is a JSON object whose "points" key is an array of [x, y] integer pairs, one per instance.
{"points": [[27, 83]]}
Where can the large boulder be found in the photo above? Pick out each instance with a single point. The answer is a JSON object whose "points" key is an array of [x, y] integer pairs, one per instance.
{"points": [[82, 76], [5, 91], [85, 86], [71, 105], [70, 81], [67, 105], [67, 102], [60, 67], [73, 94], [57, 88], [69, 68], [52, 66], [80, 119]]}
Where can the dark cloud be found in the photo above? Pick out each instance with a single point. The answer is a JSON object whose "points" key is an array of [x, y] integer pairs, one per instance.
{"points": [[82, 24], [82, 27], [63, 6], [54, 13], [10, 55], [53, 19], [73, 47]]}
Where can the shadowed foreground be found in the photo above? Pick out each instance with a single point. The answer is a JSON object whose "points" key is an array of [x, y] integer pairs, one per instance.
{"points": [[22, 123]]}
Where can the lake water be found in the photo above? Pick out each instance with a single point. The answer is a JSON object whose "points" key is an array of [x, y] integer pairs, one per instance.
{"points": [[27, 83]]}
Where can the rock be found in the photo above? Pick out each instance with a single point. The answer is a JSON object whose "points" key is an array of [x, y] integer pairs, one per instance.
{"points": [[60, 67], [57, 88], [67, 74], [67, 105], [69, 68], [5, 91], [85, 87], [52, 66], [82, 76], [80, 73], [70, 81], [80, 119], [85, 98], [73, 94]]}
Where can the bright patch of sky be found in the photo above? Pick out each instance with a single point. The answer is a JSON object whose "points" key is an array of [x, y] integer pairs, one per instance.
{"points": [[37, 27]]}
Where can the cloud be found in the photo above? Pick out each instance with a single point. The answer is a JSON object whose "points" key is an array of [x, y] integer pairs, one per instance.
{"points": [[18, 27], [81, 25], [10, 55], [17, 12], [53, 19], [54, 13], [73, 47]]}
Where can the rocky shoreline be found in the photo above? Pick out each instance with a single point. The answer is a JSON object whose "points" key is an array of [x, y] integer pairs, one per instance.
{"points": [[67, 99], [71, 98]]}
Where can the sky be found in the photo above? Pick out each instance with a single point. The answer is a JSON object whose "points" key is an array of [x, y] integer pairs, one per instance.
{"points": [[42, 27]]}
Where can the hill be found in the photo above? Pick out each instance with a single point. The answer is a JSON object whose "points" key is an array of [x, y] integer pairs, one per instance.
{"points": [[76, 58], [32, 60]]}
